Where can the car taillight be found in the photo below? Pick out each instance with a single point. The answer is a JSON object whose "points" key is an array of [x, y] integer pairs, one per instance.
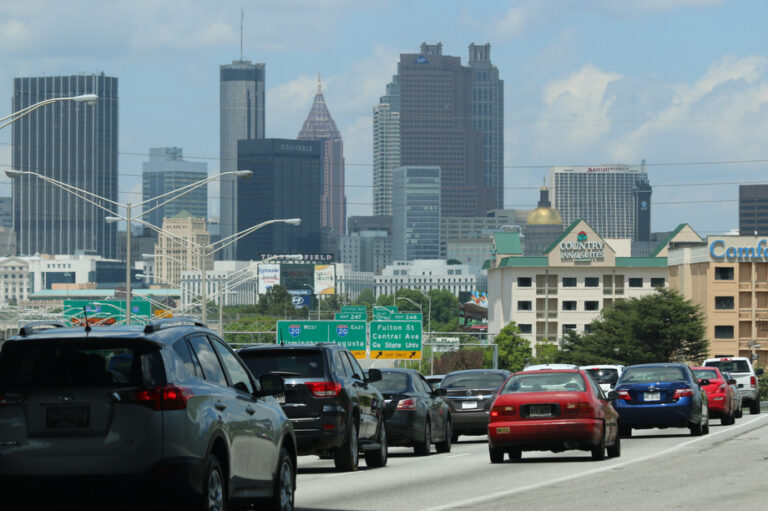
{"points": [[169, 397], [753, 381], [623, 394], [578, 407], [721, 389], [498, 412], [682, 393], [324, 388], [11, 398], [406, 404]]}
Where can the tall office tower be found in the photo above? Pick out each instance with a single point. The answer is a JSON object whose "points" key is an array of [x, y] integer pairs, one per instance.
{"points": [[436, 129], [642, 192], [603, 196], [416, 208], [71, 142], [171, 252], [285, 184], [386, 147], [241, 117], [488, 115], [753, 210], [166, 171], [320, 126]]}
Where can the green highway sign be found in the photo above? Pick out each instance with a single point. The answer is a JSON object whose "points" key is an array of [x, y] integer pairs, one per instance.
{"points": [[351, 316], [103, 309], [359, 309], [350, 334], [381, 312], [396, 340], [405, 316]]}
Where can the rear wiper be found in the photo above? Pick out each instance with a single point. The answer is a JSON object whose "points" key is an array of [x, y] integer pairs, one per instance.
{"points": [[285, 373]]}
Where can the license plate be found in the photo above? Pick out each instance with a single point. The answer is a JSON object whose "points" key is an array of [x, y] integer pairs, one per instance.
{"points": [[539, 411], [468, 405], [502, 430], [67, 417], [652, 396], [280, 398]]}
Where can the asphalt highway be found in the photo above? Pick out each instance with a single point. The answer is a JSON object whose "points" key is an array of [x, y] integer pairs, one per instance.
{"points": [[658, 469]]}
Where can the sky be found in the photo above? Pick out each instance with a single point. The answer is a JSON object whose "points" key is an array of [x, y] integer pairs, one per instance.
{"points": [[681, 84]]}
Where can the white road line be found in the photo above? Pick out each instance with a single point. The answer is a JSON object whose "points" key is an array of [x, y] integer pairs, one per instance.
{"points": [[457, 456], [493, 496]]}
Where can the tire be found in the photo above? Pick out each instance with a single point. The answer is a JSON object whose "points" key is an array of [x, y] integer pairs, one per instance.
{"points": [[696, 429], [214, 497], [726, 420], [496, 454], [598, 451], [754, 407], [347, 456], [425, 446], [739, 413], [625, 431], [614, 451], [377, 458], [705, 427], [445, 445], [284, 485], [454, 438], [515, 454]]}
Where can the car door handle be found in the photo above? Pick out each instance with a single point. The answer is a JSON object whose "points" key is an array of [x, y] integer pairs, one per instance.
{"points": [[220, 406], [250, 410]]}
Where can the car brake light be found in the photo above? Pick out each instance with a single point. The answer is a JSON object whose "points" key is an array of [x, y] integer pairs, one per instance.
{"points": [[682, 393], [753, 381], [624, 394], [503, 411], [11, 398], [324, 388], [578, 407], [169, 397], [406, 404], [721, 389]]}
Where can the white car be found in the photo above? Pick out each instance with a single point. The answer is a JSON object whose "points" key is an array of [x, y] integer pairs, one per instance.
{"points": [[741, 370], [605, 375]]}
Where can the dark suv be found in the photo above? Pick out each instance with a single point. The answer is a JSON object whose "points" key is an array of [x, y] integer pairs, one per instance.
{"points": [[334, 410], [167, 410]]}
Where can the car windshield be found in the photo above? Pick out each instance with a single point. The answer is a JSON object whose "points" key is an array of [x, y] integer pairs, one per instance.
{"points": [[610, 376], [392, 382], [544, 382], [706, 374], [652, 374], [288, 363], [731, 366], [59, 363], [473, 381]]}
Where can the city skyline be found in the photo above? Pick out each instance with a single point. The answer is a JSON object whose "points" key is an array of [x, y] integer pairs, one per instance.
{"points": [[585, 83]]}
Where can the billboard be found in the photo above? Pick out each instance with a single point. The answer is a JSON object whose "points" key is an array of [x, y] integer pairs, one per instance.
{"points": [[325, 279], [269, 275], [297, 276]]}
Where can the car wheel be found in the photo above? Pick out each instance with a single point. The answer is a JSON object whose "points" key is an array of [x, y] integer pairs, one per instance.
{"points": [[445, 445], [376, 458], [214, 496], [705, 426], [625, 431], [284, 485], [614, 451], [347, 456], [725, 420], [454, 438], [696, 429], [598, 451], [422, 448], [754, 407], [515, 454], [496, 454], [739, 412]]}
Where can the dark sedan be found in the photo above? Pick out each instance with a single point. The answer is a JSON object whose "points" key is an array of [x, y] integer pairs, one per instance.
{"points": [[470, 393], [419, 416]]}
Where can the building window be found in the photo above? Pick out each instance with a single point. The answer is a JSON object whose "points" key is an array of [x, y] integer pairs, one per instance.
{"points": [[592, 282], [525, 328], [569, 305], [658, 282], [724, 332], [587, 329], [723, 273], [569, 281], [524, 282], [566, 328], [635, 282], [724, 303], [591, 305], [524, 305]]}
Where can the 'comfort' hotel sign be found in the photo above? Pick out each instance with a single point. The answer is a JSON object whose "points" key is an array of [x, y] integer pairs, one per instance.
{"points": [[739, 249]]}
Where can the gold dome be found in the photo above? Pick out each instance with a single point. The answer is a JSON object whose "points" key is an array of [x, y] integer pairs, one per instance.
{"points": [[544, 216]]}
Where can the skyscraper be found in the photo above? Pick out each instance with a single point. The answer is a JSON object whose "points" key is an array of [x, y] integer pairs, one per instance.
{"points": [[166, 171], [416, 213], [321, 127], [488, 116], [753, 210], [386, 147], [73, 143], [605, 196], [241, 117]]}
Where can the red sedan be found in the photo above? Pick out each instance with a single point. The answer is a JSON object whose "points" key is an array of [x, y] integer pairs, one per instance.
{"points": [[552, 410], [722, 402]]}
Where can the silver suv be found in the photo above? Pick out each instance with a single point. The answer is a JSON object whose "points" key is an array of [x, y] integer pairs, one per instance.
{"points": [[741, 370], [163, 413]]}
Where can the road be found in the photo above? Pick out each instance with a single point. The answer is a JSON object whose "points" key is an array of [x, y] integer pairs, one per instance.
{"points": [[658, 469]]}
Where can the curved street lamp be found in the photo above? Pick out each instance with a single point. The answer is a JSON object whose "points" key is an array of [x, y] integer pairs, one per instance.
{"points": [[88, 99]]}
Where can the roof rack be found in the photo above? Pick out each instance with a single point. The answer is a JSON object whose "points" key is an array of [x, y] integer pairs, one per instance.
{"points": [[34, 326], [154, 326]]}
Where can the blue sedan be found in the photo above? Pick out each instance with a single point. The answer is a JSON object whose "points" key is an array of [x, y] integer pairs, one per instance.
{"points": [[660, 396]]}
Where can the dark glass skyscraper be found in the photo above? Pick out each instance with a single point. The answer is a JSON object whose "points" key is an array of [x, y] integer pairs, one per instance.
{"points": [[285, 184], [241, 117], [73, 143], [753, 210]]}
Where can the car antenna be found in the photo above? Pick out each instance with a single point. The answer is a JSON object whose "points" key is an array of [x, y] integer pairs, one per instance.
{"points": [[87, 323]]}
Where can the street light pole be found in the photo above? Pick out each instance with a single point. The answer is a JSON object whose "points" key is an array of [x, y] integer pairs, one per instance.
{"points": [[128, 264], [88, 99]]}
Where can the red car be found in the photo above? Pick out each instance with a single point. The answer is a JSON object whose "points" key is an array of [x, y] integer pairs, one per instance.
{"points": [[552, 410], [722, 402]]}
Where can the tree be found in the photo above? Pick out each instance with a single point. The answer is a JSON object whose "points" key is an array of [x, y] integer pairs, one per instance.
{"points": [[546, 353], [514, 351], [659, 327], [366, 297], [277, 301]]}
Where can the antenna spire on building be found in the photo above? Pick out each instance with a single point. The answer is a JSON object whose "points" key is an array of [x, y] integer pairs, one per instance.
{"points": [[242, 15], [319, 85]]}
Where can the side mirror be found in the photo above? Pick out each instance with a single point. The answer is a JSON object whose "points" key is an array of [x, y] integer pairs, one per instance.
{"points": [[439, 392], [271, 384], [613, 395], [373, 375], [703, 382], [759, 372]]}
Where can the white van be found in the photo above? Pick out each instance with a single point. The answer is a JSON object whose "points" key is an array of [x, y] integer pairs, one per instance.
{"points": [[605, 375]]}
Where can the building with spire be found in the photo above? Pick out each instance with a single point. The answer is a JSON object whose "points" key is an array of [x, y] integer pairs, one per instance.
{"points": [[543, 226], [320, 126]]}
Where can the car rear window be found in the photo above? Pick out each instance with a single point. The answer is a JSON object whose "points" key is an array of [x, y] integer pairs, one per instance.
{"points": [[729, 366], [652, 374], [286, 363], [392, 383], [544, 382], [610, 376], [59, 363], [473, 381], [708, 374]]}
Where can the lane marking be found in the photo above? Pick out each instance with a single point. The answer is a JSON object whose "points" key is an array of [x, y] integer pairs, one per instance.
{"points": [[457, 456], [505, 493]]}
